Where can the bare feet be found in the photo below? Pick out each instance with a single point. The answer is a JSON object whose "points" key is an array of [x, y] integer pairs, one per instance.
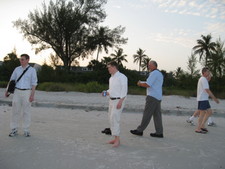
{"points": [[112, 141], [116, 143]]}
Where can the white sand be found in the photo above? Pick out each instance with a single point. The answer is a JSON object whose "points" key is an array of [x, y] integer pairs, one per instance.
{"points": [[70, 137]]}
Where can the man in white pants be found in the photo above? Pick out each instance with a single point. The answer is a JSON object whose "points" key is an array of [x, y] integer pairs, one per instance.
{"points": [[23, 95], [117, 93]]}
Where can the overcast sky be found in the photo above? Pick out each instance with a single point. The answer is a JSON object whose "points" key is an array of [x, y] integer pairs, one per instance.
{"points": [[166, 29]]}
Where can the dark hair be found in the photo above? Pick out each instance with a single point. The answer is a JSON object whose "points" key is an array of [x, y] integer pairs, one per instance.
{"points": [[25, 55], [204, 69], [113, 63]]}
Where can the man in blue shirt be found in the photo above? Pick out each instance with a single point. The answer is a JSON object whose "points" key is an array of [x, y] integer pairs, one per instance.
{"points": [[153, 102]]}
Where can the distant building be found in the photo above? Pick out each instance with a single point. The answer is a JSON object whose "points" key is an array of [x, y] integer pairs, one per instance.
{"points": [[36, 66], [80, 69], [77, 68]]}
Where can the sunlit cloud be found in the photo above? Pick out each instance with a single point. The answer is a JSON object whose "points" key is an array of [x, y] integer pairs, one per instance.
{"points": [[217, 29], [182, 3], [207, 8], [178, 36], [117, 6]]}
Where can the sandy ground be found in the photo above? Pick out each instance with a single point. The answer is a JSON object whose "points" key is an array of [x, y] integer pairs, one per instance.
{"points": [[66, 134], [171, 105]]}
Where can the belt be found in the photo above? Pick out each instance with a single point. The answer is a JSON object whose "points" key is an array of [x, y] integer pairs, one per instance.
{"points": [[114, 98], [22, 89]]}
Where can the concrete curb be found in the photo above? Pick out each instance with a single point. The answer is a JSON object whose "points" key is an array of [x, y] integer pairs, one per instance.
{"points": [[178, 112]]}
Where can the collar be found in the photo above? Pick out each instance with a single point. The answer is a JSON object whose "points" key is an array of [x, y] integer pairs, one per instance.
{"points": [[25, 66], [115, 74]]}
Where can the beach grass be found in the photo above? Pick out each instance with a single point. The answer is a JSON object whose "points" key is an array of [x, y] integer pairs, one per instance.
{"points": [[95, 87], [90, 87]]}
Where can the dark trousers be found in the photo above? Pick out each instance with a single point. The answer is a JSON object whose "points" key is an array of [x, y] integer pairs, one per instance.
{"points": [[152, 108]]}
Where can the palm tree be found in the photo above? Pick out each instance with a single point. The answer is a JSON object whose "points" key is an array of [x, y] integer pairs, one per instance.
{"points": [[178, 72], [216, 63], [192, 61], [101, 40], [204, 47], [139, 56], [119, 56], [145, 62], [106, 60]]}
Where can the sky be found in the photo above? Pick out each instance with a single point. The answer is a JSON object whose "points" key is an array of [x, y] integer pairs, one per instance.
{"points": [[166, 30]]}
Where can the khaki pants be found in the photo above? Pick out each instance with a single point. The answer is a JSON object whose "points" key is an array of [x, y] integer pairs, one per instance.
{"points": [[20, 103], [114, 116]]}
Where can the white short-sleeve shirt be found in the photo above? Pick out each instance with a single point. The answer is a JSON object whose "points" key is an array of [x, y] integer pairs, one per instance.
{"points": [[201, 92]]}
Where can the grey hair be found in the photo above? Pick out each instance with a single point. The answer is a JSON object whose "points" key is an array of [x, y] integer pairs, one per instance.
{"points": [[154, 63]]}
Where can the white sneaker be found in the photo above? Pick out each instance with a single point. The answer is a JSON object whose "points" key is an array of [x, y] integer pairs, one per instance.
{"points": [[13, 133], [190, 121], [211, 124], [27, 134]]}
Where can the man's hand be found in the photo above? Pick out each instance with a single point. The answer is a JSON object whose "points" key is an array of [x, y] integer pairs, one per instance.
{"points": [[31, 98], [119, 105], [216, 100], [139, 83]]}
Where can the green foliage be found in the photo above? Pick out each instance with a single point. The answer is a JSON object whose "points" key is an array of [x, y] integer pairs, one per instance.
{"points": [[204, 48], [9, 64], [50, 86], [3, 84], [63, 26], [135, 90], [91, 87], [94, 87], [139, 57], [46, 74], [103, 37], [119, 57], [179, 91]]}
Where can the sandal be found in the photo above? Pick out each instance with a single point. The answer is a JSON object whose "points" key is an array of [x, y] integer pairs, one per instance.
{"points": [[204, 129], [201, 131]]}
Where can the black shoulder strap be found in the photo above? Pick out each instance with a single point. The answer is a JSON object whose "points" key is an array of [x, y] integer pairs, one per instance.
{"points": [[22, 74]]}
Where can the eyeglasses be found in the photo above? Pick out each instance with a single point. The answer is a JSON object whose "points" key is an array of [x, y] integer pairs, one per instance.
{"points": [[22, 59]]}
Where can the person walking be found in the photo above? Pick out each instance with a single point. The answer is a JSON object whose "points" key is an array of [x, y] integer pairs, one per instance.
{"points": [[196, 113], [23, 95], [117, 93], [153, 102], [203, 93]]}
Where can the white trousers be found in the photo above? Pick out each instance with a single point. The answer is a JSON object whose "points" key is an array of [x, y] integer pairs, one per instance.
{"points": [[21, 103], [114, 116]]}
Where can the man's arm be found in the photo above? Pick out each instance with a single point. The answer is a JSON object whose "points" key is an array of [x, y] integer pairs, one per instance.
{"points": [[32, 94], [124, 89], [142, 84], [212, 95]]}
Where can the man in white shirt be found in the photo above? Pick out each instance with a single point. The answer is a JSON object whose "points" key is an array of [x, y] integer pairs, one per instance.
{"points": [[23, 95], [203, 93], [117, 93]]}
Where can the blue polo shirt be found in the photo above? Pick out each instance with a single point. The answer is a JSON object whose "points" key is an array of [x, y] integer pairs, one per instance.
{"points": [[155, 81]]}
